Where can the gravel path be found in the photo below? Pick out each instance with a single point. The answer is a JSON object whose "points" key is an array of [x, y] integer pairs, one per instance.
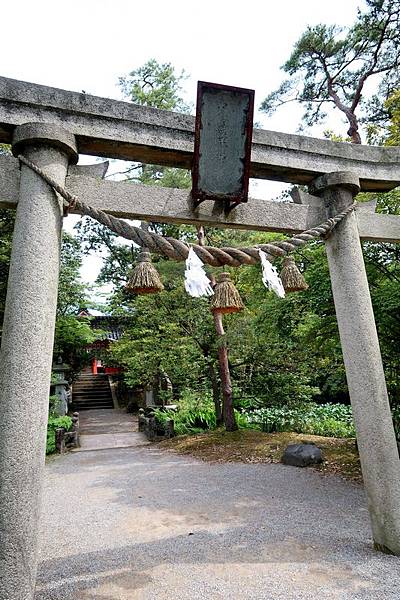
{"points": [[140, 523]]}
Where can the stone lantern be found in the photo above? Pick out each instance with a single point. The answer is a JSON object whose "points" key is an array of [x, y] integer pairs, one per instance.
{"points": [[61, 386]]}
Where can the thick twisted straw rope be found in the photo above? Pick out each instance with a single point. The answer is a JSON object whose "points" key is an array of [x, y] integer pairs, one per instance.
{"points": [[178, 250]]}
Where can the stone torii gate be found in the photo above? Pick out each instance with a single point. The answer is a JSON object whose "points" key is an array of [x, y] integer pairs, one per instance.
{"points": [[49, 127]]}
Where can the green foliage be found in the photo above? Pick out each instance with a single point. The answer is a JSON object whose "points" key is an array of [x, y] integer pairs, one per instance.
{"points": [[392, 105], [53, 424], [157, 85], [71, 334], [72, 293], [396, 421], [6, 231], [170, 333], [195, 413], [330, 65], [333, 420]]}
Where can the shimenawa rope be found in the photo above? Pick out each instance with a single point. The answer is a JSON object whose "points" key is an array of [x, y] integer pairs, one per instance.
{"points": [[178, 250]]}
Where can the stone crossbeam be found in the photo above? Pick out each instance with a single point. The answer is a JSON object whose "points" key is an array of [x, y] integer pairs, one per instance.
{"points": [[122, 130], [169, 205]]}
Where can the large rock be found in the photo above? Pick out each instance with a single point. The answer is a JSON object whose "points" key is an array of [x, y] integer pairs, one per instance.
{"points": [[302, 455]]}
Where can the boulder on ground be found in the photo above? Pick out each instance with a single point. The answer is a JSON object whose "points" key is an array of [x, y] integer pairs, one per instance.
{"points": [[302, 455]]}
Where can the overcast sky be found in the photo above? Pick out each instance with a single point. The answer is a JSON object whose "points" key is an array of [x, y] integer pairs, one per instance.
{"points": [[87, 44]]}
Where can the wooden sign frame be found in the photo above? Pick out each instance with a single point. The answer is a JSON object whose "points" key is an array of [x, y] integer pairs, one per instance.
{"points": [[223, 137]]}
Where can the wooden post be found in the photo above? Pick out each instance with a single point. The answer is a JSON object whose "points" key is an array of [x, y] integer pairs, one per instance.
{"points": [[364, 370], [227, 400], [227, 415], [28, 333]]}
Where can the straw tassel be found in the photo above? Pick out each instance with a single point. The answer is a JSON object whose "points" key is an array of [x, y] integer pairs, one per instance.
{"points": [[292, 279], [226, 298], [144, 278]]}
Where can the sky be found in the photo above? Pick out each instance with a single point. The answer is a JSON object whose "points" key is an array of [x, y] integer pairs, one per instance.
{"points": [[87, 44]]}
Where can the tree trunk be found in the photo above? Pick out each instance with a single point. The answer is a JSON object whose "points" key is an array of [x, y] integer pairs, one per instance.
{"points": [[228, 412], [355, 136], [223, 365], [216, 392]]}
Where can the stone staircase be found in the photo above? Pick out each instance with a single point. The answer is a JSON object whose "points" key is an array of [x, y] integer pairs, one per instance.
{"points": [[91, 392]]}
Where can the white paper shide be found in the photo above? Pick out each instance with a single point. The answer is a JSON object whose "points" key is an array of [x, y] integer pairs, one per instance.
{"points": [[196, 281], [270, 276]]}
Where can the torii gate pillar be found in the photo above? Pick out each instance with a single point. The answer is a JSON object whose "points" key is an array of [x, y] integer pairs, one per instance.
{"points": [[362, 358], [27, 345]]}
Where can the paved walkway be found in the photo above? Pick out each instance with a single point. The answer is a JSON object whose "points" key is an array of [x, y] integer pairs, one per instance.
{"points": [[102, 429], [138, 523]]}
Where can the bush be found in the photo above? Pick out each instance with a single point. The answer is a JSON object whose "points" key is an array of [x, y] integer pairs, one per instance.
{"points": [[333, 420], [53, 424], [195, 413]]}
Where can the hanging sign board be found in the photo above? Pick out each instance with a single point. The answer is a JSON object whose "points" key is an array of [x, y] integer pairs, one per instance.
{"points": [[224, 127]]}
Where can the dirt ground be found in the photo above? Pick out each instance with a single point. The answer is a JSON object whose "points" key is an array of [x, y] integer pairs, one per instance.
{"points": [[248, 446]]}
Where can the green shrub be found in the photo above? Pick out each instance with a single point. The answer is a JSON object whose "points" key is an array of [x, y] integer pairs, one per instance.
{"points": [[396, 421], [332, 420], [53, 424], [195, 413], [329, 427]]}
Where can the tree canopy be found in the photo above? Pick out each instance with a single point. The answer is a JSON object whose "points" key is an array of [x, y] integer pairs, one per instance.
{"points": [[331, 66]]}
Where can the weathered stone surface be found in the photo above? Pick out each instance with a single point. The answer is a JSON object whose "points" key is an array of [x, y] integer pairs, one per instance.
{"points": [[10, 178], [27, 339], [302, 455], [365, 376], [113, 129], [345, 179], [42, 133], [9, 182], [169, 205], [97, 170]]}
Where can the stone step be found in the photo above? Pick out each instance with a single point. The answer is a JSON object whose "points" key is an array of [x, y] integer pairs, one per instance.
{"points": [[90, 390], [90, 407], [92, 399], [101, 377], [92, 394], [93, 402], [91, 387], [93, 378], [91, 381]]}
